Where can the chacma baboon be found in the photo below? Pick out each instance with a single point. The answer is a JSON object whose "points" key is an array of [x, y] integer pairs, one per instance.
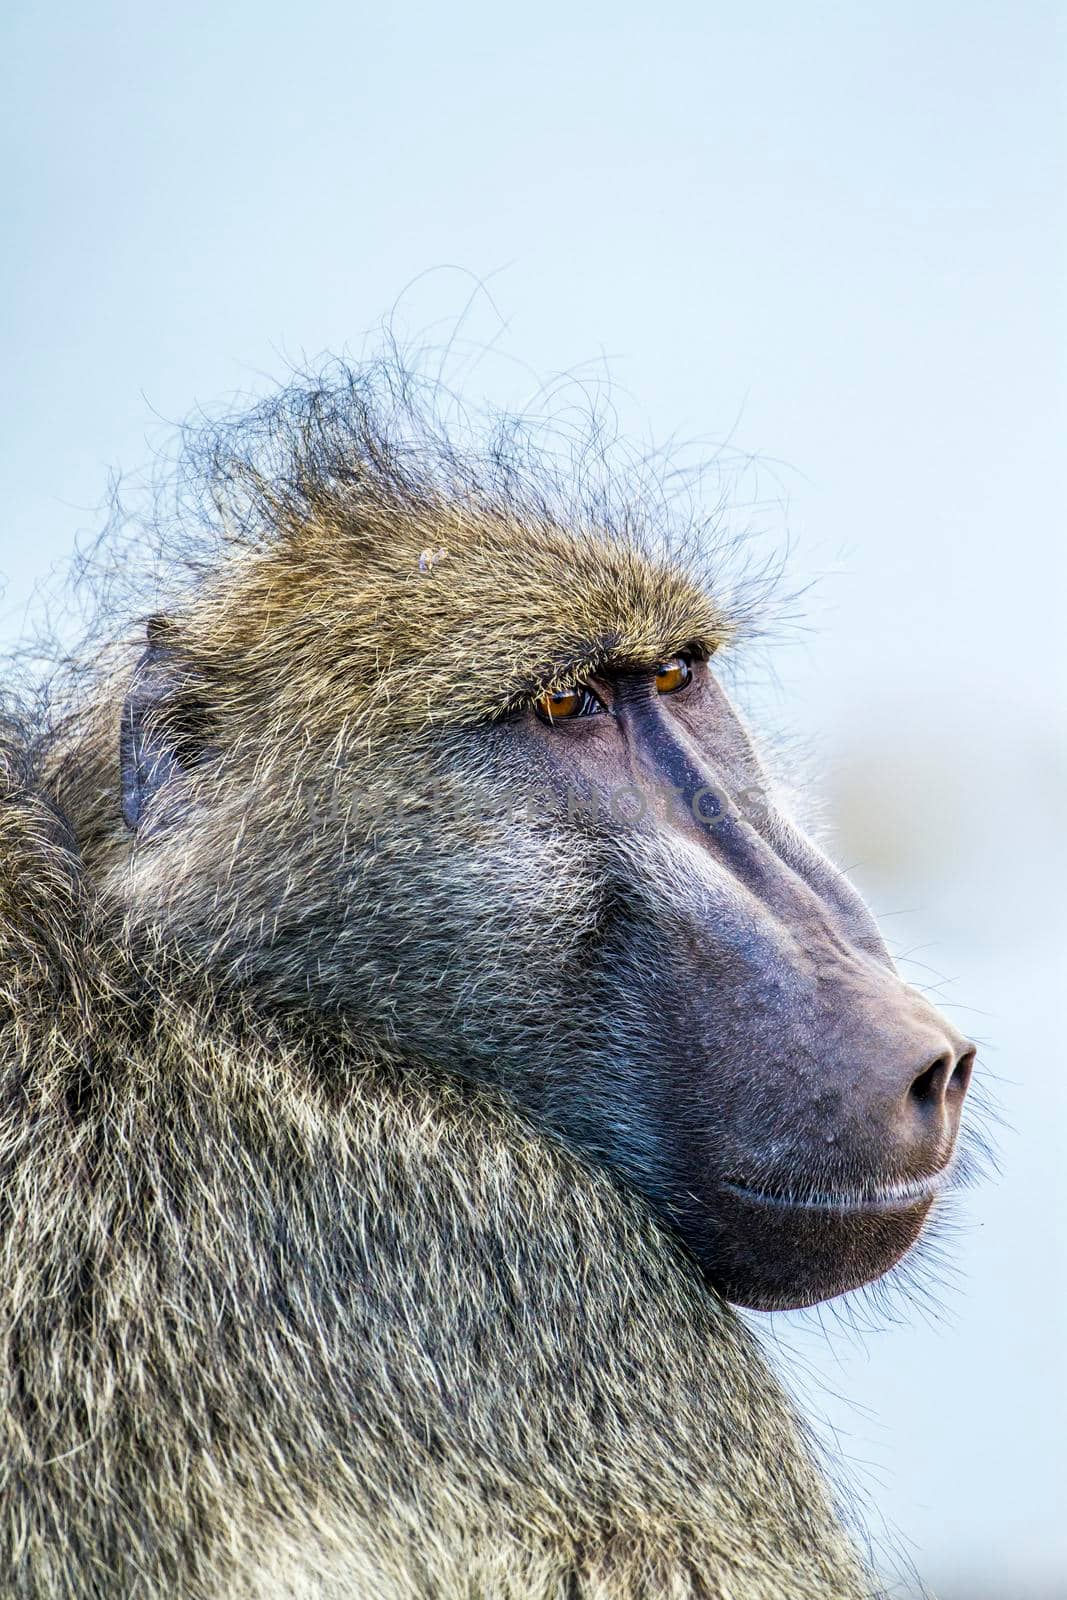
{"points": [[417, 1020]]}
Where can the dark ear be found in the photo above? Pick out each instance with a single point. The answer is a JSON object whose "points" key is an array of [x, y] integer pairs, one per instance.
{"points": [[154, 740]]}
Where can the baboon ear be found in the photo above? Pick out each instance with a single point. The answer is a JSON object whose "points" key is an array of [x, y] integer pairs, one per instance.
{"points": [[154, 738]]}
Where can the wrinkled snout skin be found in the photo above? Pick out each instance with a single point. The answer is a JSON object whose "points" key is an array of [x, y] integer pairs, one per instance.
{"points": [[807, 1100]]}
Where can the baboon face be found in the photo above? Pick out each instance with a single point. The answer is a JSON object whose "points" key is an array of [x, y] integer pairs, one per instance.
{"points": [[566, 876]]}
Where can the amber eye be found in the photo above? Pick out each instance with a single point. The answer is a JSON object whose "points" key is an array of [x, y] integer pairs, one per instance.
{"points": [[565, 704], [673, 674]]}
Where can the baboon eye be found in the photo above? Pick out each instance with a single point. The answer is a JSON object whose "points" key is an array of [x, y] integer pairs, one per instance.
{"points": [[673, 674], [566, 704]]}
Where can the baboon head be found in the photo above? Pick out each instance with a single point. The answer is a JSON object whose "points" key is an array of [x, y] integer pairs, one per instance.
{"points": [[418, 753]]}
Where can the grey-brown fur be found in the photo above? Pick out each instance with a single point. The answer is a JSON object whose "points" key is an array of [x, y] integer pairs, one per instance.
{"points": [[294, 1302]]}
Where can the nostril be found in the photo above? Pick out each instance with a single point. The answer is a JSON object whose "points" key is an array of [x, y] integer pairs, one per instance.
{"points": [[929, 1087], [945, 1079], [960, 1080]]}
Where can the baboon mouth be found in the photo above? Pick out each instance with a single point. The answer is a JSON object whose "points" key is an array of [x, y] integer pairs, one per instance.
{"points": [[883, 1198], [774, 1248]]}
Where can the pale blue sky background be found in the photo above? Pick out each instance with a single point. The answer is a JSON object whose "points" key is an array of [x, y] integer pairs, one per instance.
{"points": [[832, 232]]}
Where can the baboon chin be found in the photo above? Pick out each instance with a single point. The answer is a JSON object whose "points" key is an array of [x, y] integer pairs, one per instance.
{"points": [[417, 1013]]}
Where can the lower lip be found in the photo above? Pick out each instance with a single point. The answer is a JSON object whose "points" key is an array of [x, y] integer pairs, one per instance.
{"points": [[904, 1197]]}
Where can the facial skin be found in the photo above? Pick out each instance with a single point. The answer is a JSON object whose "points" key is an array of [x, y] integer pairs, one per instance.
{"points": [[673, 980], [807, 1100]]}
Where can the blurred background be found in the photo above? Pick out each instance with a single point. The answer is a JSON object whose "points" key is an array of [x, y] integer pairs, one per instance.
{"points": [[829, 239]]}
